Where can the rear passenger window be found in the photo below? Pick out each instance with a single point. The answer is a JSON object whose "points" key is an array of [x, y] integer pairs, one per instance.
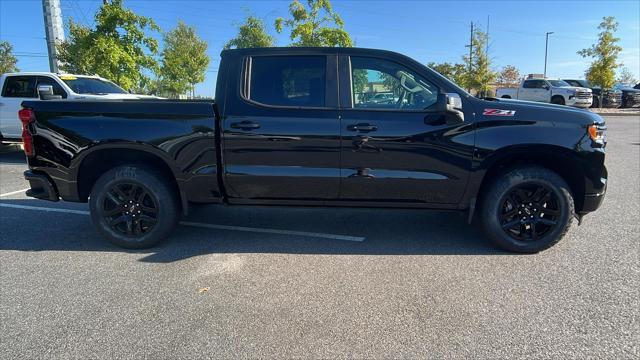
{"points": [[288, 80], [20, 87]]}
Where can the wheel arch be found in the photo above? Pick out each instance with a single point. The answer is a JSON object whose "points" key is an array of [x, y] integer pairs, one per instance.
{"points": [[103, 158], [555, 158]]}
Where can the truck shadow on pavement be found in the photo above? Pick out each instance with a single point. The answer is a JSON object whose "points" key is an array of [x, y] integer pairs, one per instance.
{"points": [[12, 155], [384, 232]]}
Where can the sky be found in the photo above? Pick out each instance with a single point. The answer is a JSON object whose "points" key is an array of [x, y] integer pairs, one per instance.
{"points": [[424, 30]]}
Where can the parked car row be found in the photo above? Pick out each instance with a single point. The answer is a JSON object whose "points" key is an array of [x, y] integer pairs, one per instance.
{"points": [[620, 95], [19, 87]]}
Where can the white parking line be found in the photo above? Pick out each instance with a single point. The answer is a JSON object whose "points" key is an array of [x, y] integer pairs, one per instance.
{"points": [[204, 225], [14, 192]]}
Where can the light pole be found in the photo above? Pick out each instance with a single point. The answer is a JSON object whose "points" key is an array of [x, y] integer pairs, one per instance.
{"points": [[546, 47]]}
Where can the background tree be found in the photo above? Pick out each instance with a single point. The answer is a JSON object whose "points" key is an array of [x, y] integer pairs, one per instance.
{"points": [[626, 76], [509, 76], [605, 52], [454, 72], [118, 48], [7, 60], [479, 75], [314, 25], [184, 60], [251, 34]]}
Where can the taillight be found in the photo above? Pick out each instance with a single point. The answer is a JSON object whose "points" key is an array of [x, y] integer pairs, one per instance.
{"points": [[27, 117]]}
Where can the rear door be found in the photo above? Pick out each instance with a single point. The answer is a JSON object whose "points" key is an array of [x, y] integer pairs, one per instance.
{"points": [[281, 136], [15, 90], [403, 151]]}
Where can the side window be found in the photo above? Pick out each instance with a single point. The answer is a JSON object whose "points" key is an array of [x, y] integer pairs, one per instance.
{"points": [[529, 84], [20, 87], [383, 84], [57, 89], [288, 80]]}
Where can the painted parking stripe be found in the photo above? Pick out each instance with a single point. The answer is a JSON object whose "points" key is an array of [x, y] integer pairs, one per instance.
{"points": [[274, 231], [204, 225], [14, 192]]}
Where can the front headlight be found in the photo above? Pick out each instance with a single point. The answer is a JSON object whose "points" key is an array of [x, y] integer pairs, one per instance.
{"points": [[597, 133]]}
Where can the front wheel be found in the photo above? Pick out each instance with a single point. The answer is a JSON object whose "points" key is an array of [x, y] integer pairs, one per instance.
{"points": [[132, 207], [527, 210], [558, 100]]}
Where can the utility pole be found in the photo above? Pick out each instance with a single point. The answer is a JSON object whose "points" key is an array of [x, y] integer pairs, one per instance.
{"points": [[546, 47], [470, 46], [53, 30]]}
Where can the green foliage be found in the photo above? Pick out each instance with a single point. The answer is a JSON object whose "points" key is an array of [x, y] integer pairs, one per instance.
{"points": [[360, 80], [479, 75], [7, 60], [509, 76], [184, 60], [314, 25], [605, 52], [454, 72], [626, 77], [118, 48], [251, 34]]}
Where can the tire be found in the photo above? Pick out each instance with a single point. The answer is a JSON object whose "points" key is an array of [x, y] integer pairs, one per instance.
{"points": [[517, 216], [133, 208], [558, 100]]}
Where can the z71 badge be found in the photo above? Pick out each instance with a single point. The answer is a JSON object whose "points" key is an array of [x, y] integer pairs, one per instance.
{"points": [[498, 112]]}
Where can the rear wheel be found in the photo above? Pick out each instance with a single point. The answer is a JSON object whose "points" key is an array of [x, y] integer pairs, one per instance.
{"points": [[132, 207], [527, 210], [559, 100]]}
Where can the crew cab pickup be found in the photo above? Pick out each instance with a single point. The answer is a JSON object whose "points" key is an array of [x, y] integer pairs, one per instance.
{"points": [[286, 129], [18, 87], [549, 91]]}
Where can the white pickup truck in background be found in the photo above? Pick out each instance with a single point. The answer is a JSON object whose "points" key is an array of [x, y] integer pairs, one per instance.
{"points": [[550, 91], [18, 87]]}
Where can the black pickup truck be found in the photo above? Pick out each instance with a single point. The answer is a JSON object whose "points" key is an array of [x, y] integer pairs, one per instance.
{"points": [[303, 127]]}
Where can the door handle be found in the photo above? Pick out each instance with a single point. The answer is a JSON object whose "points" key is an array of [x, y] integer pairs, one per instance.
{"points": [[245, 125], [362, 127]]}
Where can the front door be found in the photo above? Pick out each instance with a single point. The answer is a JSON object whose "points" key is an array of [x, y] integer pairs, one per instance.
{"points": [[281, 139], [402, 150], [15, 90]]}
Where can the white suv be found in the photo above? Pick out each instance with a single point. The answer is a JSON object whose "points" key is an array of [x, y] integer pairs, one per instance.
{"points": [[18, 87]]}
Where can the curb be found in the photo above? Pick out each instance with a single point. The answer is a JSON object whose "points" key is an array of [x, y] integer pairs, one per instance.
{"points": [[618, 114]]}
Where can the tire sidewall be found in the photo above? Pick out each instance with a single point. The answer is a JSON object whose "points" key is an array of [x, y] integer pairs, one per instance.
{"points": [[167, 215]]}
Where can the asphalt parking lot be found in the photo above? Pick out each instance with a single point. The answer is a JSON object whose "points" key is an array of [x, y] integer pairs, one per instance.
{"points": [[320, 283]]}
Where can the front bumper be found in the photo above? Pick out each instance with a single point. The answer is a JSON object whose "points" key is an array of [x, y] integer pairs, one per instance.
{"points": [[581, 103], [41, 186]]}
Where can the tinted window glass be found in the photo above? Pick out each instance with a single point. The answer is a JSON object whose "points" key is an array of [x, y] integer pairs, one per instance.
{"points": [[20, 86], [288, 80], [57, 89], [559, 83], [529, 84], [82, 85], [383, 84]]}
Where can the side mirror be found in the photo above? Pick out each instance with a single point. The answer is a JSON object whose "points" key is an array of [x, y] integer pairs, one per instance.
{"points": [[45, 92], [452, 103], [546, 87]]}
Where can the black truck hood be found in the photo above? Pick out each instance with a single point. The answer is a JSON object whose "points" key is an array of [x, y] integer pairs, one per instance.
{"points": [[534, 111]]}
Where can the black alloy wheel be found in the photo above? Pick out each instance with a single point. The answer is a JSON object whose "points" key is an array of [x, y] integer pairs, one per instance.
{"points": [[129, 209], [529, 212]]}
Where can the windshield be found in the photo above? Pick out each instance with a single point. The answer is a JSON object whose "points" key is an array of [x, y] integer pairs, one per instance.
{"points": [[623, 87], [558, 83], [582, 83], [83, 85]]}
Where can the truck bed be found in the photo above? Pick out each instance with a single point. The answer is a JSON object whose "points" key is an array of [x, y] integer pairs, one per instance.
{"points": [[70, 136]]}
